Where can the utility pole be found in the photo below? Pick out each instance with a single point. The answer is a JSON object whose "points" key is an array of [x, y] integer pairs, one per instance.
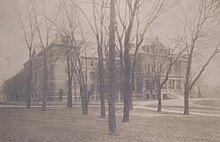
{"points": [[111, 97]]}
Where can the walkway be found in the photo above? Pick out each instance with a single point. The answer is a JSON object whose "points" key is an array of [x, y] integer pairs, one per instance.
{"points": [[168, 106]]}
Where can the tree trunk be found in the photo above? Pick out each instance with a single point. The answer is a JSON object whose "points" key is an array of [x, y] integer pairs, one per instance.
{"points": [[86, 103], [101, 81], [159, 96], [131, 85], [126, 106], [131, 100], [186, 101], [127, 87], [199, 91], [86, 99], [102, 95], [111, 97], [29, 85], [70, 72], [69, 99], [82, 99], [45, 87], [75, 90]]}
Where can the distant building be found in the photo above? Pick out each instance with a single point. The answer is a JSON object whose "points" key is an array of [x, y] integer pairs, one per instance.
{"points": [[152, 61], [13, 89], [57, 81], [151, 65]]}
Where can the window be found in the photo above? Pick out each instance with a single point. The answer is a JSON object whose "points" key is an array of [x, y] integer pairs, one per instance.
{"points": [[149, 68], [36, 76], [177, 68], [133, 85], [147, 84], [138, 68], [160, 51], [85, 76], [171, 84], [51, 68], [52, 86], [165, 85], [117, 64], [81, 61], [92, 63], [178, 84], [147, 50], [65, 68], [158, 69], [92, 75], [139, 84]]}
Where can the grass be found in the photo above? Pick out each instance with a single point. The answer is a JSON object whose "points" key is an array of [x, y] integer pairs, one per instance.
{"points": [[63, 125], [213, 103]]}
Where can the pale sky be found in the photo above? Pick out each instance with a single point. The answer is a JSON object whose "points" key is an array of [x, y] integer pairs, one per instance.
{"points": [[13, 52]]}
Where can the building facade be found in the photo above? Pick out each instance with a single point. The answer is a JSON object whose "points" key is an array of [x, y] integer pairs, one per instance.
{"points": [[57, 77], [151, 66], [150, 70]]}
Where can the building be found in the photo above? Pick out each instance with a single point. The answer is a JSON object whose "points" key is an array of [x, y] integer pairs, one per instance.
{"points": [[57, 76], [152, 61], [150, 69], [13, 89]]}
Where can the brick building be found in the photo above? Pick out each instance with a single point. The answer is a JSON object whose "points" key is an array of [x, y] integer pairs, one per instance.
{"points": [[151, 67], [57, 76], [152, 61]]}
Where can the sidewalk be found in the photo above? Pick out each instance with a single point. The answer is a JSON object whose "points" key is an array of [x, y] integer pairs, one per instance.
{"points": [[176, 106], [168, 106]]}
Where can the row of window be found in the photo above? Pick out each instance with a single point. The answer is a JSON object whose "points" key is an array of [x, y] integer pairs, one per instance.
{"points": [[151, 84], [91, 62]]}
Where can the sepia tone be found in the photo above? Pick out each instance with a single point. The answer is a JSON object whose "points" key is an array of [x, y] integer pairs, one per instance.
{"points": [[110, 70]]}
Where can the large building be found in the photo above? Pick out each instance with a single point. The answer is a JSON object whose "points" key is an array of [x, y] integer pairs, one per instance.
{"points": [[152, 61], [57, 77], [151, 66]]}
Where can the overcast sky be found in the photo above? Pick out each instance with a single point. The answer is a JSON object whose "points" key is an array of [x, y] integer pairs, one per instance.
{"points": [[13, 52]]}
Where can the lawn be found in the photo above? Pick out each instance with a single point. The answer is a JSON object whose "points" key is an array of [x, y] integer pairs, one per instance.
{"points": [[213, 103], [63, 125]]}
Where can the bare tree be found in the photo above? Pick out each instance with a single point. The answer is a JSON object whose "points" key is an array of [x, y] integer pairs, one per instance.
{"points": [[100, 45], [72, 36], [28, 29], [97, 27], [43, 29], [197, 29], [83, 86], [111, 97], [131, 20], [172, 59], [67, 30]]}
